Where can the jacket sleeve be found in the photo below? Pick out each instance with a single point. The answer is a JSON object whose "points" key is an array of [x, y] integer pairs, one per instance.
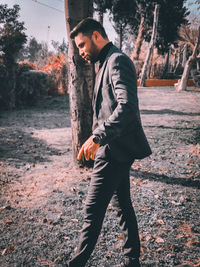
{"points": [[123, 80]]}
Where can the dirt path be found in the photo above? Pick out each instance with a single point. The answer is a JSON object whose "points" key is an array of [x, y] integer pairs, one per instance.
{"points": [[42, 193]]}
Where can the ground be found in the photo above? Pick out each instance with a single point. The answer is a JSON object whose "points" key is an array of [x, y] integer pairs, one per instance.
{"points": [[42, 192]]}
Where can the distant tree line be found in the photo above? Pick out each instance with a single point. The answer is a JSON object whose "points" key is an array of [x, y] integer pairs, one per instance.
{"points": [[28, 68]]}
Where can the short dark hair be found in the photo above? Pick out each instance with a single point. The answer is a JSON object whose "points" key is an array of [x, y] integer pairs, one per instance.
{"points": [[87, 27]]}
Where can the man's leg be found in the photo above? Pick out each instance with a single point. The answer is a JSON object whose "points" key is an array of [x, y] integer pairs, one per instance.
{"points": [[105, 179], [127, 218]]}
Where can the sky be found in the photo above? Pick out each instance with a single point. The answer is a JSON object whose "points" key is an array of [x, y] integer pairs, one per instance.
{"points": [[45, 19]]}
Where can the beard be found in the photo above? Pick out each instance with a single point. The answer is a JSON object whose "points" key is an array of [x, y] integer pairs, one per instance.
{"points": [[92, 56]]}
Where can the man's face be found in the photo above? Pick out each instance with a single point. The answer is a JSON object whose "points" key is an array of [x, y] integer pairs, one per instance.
{"points": [[87, 48]]}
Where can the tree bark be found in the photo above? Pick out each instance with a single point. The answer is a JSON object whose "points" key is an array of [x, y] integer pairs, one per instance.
{"points": [[182, 84], [81, 78], [140, 37], [100, 17], [178, 62], [151, 47], [166, 64], [120, 37], [149, 66], [184, 55]]}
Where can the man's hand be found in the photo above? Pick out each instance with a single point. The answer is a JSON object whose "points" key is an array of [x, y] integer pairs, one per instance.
{"points": [[88, 149]]}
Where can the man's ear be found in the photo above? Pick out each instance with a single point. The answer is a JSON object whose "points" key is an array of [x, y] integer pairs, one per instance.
{"points": [[96, 35]]}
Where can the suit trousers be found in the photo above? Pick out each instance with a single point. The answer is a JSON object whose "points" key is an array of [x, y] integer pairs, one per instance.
{"points": [[110, 179]]}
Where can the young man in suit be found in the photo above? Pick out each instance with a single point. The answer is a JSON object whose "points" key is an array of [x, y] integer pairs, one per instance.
{"points": [[117, 140]]}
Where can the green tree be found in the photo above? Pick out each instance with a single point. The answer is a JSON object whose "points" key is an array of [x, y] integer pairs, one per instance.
{"points": [[31, 51], [173, 14], [12, 39], [137, 17], [60, 47]]}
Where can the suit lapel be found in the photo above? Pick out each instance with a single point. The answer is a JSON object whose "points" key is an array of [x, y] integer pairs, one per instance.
{"points": [[98, 80]]}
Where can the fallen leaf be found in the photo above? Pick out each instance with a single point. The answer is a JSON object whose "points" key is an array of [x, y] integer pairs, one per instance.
{"points": [[143, 250], [57, 259], [194, 243], [159, 240], [186, 229], [170, 255], [148, 238], [7, 250], [73, 189], [144, 208], [176, 203], [4, 251], [66, 237], [74, 220], [109, 256], [120, 237], [8, 221], [160, 222]]}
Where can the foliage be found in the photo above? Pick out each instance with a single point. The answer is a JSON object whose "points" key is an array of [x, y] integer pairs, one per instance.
{"points": [[60, 48], [12, 36], [3, 83], [188, 34], [31, 84], [172, 15], [128, 14], [57, 71], [12, 39], [31, 52]]}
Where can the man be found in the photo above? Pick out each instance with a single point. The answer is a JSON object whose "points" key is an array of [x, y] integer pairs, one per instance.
{"points": [[118, 139]]}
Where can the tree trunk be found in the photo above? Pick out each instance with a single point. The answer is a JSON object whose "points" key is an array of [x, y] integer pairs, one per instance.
{"points": [[166, 64], [151, 47], [140, 37], [149, 66], [100, 17], [120, 37], [175, 60], [182, 84], [81, 78], [184, 55], [178, 63]]}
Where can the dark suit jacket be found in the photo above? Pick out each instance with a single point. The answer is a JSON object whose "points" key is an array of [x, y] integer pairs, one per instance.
{"points": [[115, 106]]}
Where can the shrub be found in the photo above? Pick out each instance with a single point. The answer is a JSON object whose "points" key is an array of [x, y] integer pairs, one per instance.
{"points": [[31, 85], [3, 85], [57, 71]]}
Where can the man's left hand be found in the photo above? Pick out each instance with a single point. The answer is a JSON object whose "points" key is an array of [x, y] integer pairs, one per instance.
{"points": [[88, 149]]}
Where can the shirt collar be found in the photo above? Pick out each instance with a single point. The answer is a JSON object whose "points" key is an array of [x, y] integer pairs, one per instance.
{"points": [[103, 53]]}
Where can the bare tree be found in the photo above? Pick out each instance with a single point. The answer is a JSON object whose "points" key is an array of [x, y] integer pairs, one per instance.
{"points": [[140, 37], [81, 78], [151, 47], [191, 36]]}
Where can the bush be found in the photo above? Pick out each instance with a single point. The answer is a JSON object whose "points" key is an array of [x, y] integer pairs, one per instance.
{"points": [[57, 71], [30, 86], [3, 83]]}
